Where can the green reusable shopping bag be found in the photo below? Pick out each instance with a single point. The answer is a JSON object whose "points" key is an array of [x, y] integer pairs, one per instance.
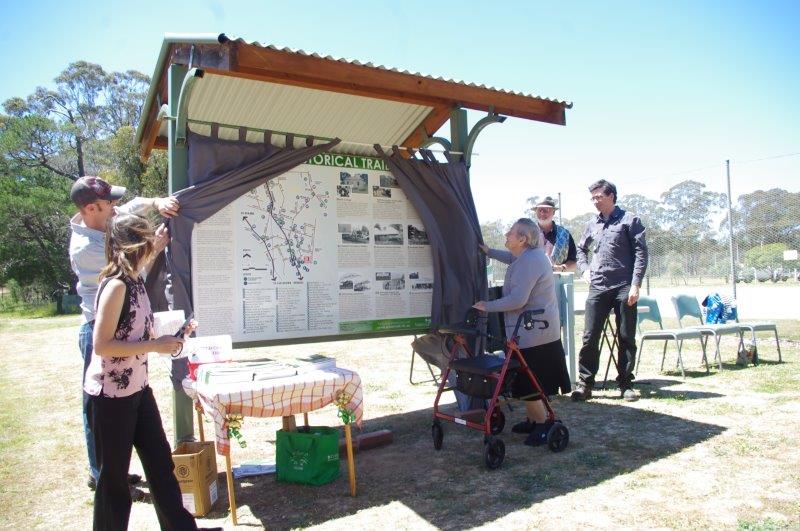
{"points": [[308, 455]]}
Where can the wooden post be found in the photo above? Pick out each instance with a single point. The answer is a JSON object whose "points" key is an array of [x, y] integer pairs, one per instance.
{"points": [[351, 468], [231, 495], [200, 426], [305, 419], [289, 423]]}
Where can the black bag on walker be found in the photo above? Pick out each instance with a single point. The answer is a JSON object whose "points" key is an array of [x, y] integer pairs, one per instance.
{"points": [[473, 375], [309, 455]]}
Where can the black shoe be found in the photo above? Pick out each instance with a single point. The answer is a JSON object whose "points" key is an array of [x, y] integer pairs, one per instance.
{"points": [[626, 391], [133, 479], [526, 426], [582, 392], [137, 495], [538, 436]]}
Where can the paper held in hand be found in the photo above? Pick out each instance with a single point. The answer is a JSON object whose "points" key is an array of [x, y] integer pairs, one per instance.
{"points": [[167, 323]]}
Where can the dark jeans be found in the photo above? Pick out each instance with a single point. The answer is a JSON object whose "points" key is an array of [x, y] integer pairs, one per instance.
{"points": [[119, 425], [85, 344], [598, 306]]}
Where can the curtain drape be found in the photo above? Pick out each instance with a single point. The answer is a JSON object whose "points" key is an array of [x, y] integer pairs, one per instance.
{"points": [[219, 172], [441, 195]]}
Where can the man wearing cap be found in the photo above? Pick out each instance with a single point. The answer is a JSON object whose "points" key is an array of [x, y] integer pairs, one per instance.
{"points": [[559, 245], [618, 263], [97, 202]]}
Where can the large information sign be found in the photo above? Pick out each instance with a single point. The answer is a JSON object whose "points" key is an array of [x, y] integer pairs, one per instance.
{"points": [[331, 248]]}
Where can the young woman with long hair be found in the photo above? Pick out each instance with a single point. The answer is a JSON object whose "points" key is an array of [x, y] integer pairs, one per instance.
{"points": [[120, 404]]}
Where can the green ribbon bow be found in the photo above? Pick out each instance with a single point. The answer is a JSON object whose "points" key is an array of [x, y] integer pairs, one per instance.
{"points": [[234, 423]]}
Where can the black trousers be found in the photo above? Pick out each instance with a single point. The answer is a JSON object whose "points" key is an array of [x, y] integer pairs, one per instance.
{"points": [[599, 305], [119, 425]]}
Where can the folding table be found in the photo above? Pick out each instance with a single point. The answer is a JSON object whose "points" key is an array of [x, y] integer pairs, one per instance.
{"points": [[285, 397]]}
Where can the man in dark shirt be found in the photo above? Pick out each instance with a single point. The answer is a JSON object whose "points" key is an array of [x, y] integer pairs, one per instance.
{"points": [[559, 245], [619, 260]]}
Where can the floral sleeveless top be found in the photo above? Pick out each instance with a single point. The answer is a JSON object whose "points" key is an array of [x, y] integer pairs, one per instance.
{"points": [[114, 377]]}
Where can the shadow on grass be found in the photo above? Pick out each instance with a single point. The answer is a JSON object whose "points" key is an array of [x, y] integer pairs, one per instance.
{"points": [[654, 388], [451, 488]]}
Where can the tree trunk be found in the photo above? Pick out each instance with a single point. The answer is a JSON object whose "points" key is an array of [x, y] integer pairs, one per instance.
{"points": [[79, 152]]}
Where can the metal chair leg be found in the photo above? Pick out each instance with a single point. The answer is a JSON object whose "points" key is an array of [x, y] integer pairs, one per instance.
{"points": [[703, 341], [778, 344], [433, 379], [612, 346], [680, 359]]}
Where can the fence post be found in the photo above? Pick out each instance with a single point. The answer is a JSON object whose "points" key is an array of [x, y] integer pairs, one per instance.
{"points": [[730, 228]]}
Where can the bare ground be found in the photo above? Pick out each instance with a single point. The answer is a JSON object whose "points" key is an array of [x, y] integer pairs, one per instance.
{"points": [[715, 451]]}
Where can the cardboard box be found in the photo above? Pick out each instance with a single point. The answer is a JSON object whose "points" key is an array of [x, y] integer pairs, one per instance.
{"points": [[196, 472]]}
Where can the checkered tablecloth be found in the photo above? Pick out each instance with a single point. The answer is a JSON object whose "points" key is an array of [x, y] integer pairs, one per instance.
{"points": [[278, 397]]}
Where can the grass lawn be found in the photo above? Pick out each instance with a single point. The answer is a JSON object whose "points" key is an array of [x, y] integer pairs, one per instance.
{"points": [[715, 451]]}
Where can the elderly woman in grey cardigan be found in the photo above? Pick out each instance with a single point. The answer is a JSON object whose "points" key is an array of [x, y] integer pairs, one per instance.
{"points": [[529, 285]]}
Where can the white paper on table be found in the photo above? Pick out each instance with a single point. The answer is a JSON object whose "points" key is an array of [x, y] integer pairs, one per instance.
{"points": [[208, 349], [167, 323]]}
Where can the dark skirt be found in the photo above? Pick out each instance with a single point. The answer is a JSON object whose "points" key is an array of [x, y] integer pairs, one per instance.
{"points": [[549, 364]]}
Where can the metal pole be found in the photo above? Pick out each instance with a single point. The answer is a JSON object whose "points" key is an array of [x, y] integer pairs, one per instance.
{"points": [[559, 210], [178, 178], [730, 228]]}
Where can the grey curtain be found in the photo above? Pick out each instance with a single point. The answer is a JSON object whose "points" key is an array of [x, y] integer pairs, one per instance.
{"points": [[219, 172], [441, 195]]}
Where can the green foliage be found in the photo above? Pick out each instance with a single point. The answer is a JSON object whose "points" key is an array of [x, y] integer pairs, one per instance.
{"points": [[34, 233], [84, 125], [770, 255], [577, 224], [494, 234], [764, 217], [126, 168]]}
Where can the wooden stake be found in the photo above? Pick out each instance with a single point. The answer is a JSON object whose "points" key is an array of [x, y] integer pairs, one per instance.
{"points": [[231, 495], [200, 426], [289, 423], [351, 467]]}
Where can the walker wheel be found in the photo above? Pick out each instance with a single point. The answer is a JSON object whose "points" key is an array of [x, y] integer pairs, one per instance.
{"points": [[557, 437], [494, 451], [438, 434], [497, 421]]}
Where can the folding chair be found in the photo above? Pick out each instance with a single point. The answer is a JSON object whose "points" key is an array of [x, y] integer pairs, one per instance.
{"points": [[609, 338], [687, 305], [664, 334], [763, 326], [752, 328], [431, 348]]}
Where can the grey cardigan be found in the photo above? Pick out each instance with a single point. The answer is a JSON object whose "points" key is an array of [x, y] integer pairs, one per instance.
{"points": [[528, 285]]}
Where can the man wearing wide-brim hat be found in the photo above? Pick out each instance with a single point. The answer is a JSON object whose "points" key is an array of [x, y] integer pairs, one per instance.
{"points": [[559, 245]]}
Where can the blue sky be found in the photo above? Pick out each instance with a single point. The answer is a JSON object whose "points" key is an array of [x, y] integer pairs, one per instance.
{"points": [[659, 88]]}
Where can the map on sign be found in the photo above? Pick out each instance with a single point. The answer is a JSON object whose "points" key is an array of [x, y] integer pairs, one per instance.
{"points": [[282, 226], [332, 248]]}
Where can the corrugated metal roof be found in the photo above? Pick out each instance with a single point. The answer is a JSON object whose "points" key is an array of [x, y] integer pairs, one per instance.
{"points": [[566, 104], [282, 92], [263, 105]]}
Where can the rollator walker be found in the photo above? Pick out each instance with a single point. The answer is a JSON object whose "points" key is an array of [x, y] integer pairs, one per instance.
{"points": [[490, 376]]}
